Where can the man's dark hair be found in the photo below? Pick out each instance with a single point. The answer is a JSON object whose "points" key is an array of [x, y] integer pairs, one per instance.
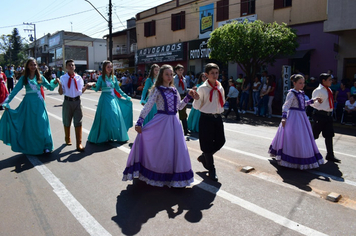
{"points": [[323, 76], [69, 61]]}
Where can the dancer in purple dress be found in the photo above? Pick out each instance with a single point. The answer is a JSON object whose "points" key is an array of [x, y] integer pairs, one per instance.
{"points": [[294, 145], [159, 155]]}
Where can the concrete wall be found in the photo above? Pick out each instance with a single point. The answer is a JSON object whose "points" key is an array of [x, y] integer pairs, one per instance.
{"points": [[341, 15]]}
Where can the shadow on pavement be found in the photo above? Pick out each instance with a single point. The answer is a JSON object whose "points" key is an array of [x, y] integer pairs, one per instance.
{"points": [[139, 202], [19, 162], [73, 155], [299, 178]]}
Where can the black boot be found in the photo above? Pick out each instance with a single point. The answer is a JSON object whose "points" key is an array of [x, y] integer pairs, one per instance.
{"points": [[185, 126], [209, 159], [330, 150]]}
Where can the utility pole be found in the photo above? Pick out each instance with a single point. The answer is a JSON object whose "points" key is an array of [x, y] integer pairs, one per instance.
{"points": [[34, 29], [110, 26], [110, 31]]}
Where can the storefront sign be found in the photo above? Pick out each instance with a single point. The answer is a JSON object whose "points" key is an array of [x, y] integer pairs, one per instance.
{"points": [[198, 49], [166, 53], [286, 80], [251, 18]]}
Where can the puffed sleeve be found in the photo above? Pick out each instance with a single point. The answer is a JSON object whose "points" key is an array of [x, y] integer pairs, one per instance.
{"points": [[148, 106], [183, 102], [198, 103], [287, 104]]}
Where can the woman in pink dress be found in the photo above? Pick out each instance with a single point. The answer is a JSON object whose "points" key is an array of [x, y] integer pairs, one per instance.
{"points": [[3, 90]]}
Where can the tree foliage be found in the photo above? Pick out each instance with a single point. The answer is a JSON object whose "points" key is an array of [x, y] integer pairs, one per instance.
{"points": [[252, 45], [13, 49]]}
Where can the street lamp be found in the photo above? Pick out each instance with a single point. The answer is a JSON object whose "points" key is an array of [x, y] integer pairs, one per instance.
{"points": [[34, 29], [110, 26]]}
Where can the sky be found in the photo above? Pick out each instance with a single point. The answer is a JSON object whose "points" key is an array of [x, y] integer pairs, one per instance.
{"points": [[50, 16]]}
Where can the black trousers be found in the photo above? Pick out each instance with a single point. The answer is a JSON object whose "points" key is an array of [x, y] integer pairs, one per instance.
{"points": [[211, 133], [323, 124], [233, 106]]}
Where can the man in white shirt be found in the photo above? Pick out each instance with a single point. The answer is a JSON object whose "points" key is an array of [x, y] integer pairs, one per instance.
{"points": [[72, 86], [322, 115]]}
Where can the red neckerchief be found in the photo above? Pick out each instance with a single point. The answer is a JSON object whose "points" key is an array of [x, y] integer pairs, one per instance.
{"points": [[181, 84], [330, 96], [71, 77], [215, 87]]}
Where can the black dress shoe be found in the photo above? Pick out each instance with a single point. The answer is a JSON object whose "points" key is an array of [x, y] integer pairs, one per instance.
{"points": [[212, 175], [201, 159], [333, 159]]}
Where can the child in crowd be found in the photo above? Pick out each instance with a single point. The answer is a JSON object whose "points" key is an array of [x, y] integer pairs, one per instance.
{"points": [[232, 98], [150, 81], [26, 129], [194, 115], [110, 122], [211, 127], [256, 93], [294, 145], [181, 85], [169, 164]]}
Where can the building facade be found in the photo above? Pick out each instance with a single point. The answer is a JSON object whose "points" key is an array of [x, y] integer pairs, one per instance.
{"points": [[124, 47], [55, 49], [342, 23], [191, 22]]}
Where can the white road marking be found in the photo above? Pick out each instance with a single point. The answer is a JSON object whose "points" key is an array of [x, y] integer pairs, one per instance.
{"points": [[79, 212], [258, 210], [250, 206]]}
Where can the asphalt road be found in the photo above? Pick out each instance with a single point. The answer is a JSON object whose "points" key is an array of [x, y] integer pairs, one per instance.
{"points": [[72, 193]]}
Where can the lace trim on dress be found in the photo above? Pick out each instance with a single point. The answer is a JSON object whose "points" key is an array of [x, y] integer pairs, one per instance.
{"points": [[158, 179], [295, 162]]}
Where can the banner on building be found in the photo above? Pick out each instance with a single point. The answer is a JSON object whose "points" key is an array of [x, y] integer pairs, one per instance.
{"points": [[286, 80], [206, 20], [198, 49], [165, 53]]}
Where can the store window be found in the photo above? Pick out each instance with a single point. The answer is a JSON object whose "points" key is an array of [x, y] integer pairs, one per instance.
{"points": [[150, 28], [222, 10], [178, 21], [282, 3], [248, 7]]}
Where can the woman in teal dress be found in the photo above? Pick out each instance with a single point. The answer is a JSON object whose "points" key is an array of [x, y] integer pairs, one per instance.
{"points": [[150, 81], [194, 115], [112, 119], [26, 129]]}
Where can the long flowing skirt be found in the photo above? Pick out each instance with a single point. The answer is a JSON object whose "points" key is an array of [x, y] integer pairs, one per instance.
{"points": [[294, 145], [193, 120], [150, 115], [109, 123], [159, 155], [126, 111], [26, 129]]}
